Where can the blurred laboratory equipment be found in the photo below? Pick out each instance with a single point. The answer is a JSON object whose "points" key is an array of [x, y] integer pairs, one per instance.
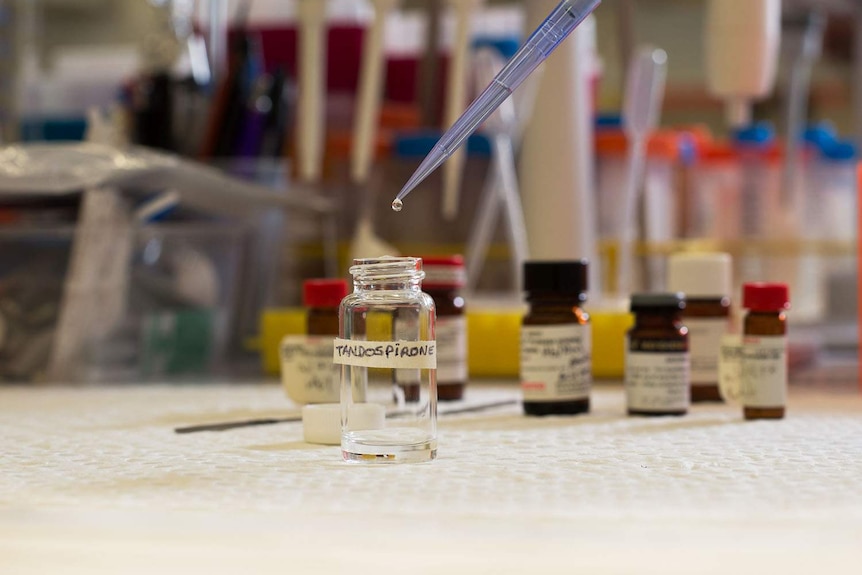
{"points": [[456, 99], [366, 244], [140, 296], [829, 218], [713, 204], [12, 16], [557, 153], [643, 99], [563, 19], [759, 202], [312, 89], [217, 36], [501, 187], [310, 113], [430, 62], [809, 44], [742, 46]]}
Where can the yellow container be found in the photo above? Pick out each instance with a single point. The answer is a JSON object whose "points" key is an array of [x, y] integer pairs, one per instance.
{"points": [[493, 342], [609, 337], [493, 339], [276, 323]]}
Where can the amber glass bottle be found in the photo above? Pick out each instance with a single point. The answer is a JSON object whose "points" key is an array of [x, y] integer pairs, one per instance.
{"points": [[322, 298], [444, 278], [764, 350], [556, 361], [705, 278], [657, 360]]}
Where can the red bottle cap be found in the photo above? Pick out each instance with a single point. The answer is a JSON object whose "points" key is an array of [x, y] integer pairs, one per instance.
{"points": [[444, 272], [765, 297], [323, 293]]}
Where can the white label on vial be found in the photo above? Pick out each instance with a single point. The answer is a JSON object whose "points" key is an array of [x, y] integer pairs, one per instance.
{"points": [[764, 371], [657, 381], [555, 362], [704, 341], [386, 354], [451, 334], [730, 368], [307, 372]]}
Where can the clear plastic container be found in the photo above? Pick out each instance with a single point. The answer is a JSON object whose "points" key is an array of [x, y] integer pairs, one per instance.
{"points": [[387, 351], [712, 207], [660, 215], [829, 218], [761, 216]]}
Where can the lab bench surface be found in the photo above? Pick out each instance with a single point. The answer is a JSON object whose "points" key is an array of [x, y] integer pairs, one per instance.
{"points": [[96, 480]]}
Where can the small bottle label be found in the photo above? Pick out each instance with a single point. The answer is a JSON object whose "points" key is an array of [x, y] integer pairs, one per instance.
{"points": [[386, 354], [730, 368], [451, 334], [764, 371], [657, 380], [704, 340], [307, 372], [556, 362]]}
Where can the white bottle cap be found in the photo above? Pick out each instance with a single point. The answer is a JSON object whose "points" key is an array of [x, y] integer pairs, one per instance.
{"points": [[321, 422], [700, 275]]}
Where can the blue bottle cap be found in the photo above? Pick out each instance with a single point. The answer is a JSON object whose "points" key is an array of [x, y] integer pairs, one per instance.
{"points": [[839, 151], [757, 135], [507, 46], [687, 149], [819, 135], [609, 122], [419, 144]]}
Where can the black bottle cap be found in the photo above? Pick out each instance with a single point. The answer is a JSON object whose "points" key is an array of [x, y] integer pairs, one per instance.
{"points": [[566, 278], [658, 302]]}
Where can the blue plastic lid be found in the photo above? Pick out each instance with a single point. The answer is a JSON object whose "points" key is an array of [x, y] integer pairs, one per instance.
{"points": [[820, 134], [839, 151], [609, 122], [419, 144], [687, 149], [506, 46], [758, 135]]}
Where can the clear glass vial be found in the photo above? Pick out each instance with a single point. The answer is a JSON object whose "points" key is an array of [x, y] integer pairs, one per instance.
{"points": [[387, 351]]}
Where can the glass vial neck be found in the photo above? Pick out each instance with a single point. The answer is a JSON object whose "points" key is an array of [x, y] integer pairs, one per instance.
{"points": [[387, 273]]}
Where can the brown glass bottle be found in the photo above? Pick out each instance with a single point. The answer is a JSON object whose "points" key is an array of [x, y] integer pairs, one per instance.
{"points": [[444, 278], [656, 371], [766, 318], [556, 327], [321, 299], [705, 279]]}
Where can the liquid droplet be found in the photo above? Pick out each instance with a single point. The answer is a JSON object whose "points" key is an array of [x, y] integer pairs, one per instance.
{"points": [[397, 205]]}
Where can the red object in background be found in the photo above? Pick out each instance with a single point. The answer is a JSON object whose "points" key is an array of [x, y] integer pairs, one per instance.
{"points": [[343, 60], [765, 296], [344, 49], [859, 266], [323, 292]]}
